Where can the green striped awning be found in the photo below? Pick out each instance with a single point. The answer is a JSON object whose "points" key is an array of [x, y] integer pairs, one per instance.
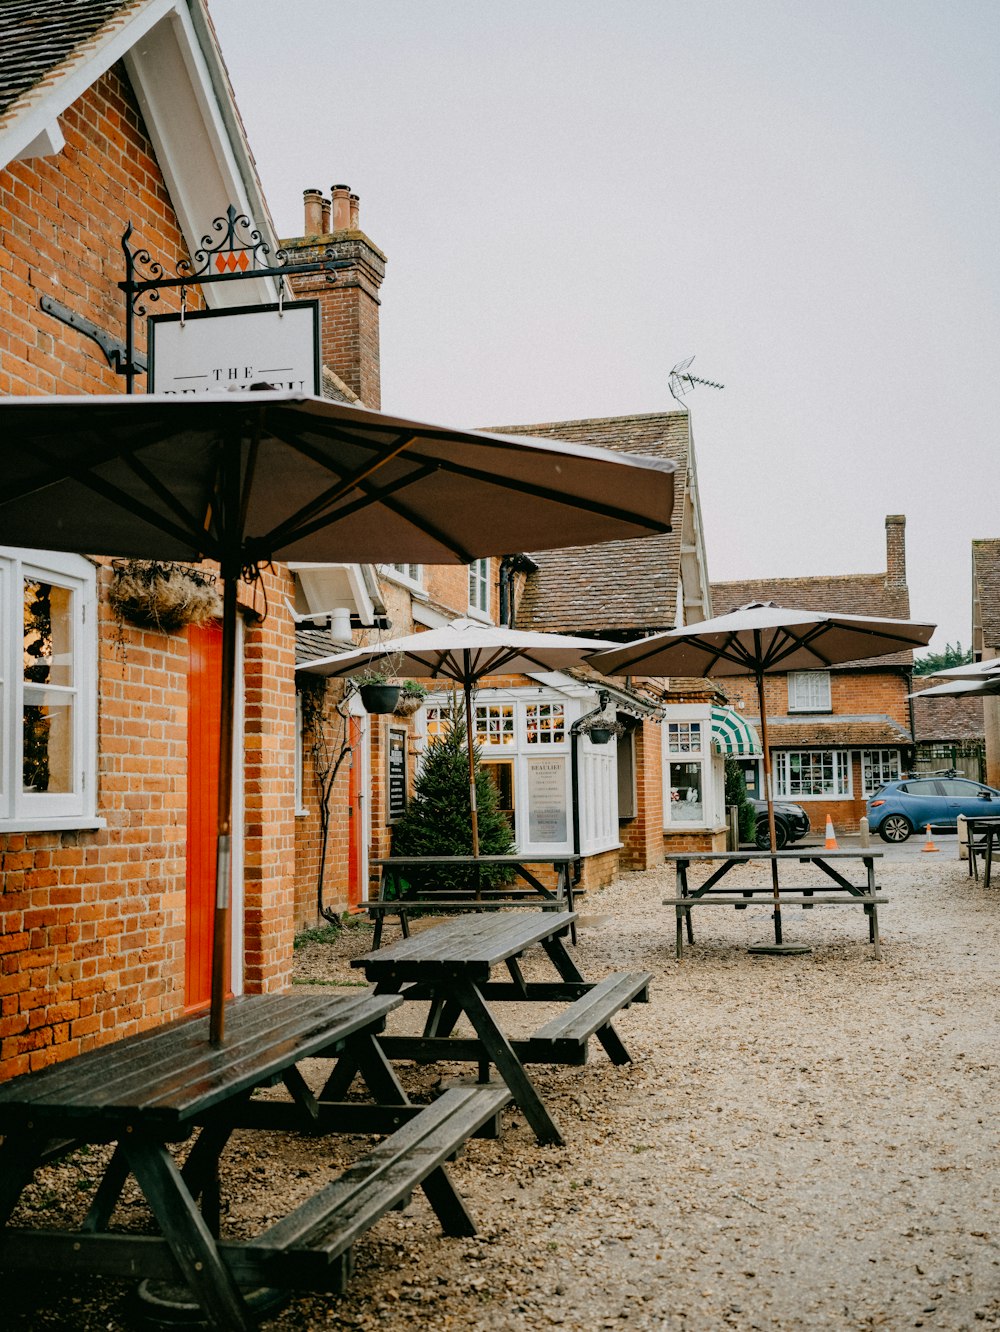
{"points": [[731, 734]]}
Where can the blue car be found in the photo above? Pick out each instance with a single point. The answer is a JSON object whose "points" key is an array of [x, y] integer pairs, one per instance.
{"points": [[899, 808]]}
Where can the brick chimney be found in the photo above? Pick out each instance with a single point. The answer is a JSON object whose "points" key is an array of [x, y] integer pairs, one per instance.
{"points": [[895, 550], [349, 306]]}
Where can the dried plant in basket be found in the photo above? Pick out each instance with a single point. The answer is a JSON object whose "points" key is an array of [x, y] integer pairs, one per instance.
{"points": [[162, 596]]}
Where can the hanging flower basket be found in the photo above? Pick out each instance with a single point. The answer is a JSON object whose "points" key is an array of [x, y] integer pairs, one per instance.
{"points": [[379, 698], [411, 699], [161, 596], [600, 735]]}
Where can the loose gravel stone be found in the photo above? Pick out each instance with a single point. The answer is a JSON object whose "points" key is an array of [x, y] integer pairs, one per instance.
{"points": [[802, 1144]]}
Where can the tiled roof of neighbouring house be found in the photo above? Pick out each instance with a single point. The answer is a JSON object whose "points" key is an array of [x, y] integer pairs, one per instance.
{"points": [[837, 732], [946, 718], [986, 562], [35, 38], [619, 585], [846, 594], [311, 644]]}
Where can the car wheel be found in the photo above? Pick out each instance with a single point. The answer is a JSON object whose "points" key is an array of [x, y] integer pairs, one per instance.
{"points": [[763, 838], [894, 828]]}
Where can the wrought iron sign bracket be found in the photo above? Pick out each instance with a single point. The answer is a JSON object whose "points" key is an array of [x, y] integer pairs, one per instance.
{"points": [[237, 252], [112, 347]]}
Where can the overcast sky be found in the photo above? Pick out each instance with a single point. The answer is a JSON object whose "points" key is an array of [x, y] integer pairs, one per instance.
{"points": [[575, 195]]}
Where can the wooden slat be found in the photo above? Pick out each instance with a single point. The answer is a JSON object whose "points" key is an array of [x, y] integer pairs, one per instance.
{"points": [[583, 1017], [473, 943], [338, 1215], [786, 899], [171, 1073]]}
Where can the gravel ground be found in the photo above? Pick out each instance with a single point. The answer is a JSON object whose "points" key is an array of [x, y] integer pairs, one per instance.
{"points": [[800, 1143]]}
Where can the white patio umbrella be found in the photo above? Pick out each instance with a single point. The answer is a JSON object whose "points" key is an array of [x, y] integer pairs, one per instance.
{"points": [[759, 639], [465, 651], [974, 670], [984, 688], [246, 478]]}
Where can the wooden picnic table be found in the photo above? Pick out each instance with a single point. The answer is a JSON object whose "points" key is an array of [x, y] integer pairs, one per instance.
{"points": [[451, 965], [987, 830], [161, 1086], [400, 897], [837, 889]]}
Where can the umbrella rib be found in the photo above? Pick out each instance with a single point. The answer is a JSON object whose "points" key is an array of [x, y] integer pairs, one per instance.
{"points": [[383, 496], [161, 491], [344, 484], [128, 502]]}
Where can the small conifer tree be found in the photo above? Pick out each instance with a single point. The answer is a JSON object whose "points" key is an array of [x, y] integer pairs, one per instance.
{"points": [[438, 822]]}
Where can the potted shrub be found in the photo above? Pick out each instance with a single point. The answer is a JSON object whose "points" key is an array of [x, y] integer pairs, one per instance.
{"points": [[377, 694]]}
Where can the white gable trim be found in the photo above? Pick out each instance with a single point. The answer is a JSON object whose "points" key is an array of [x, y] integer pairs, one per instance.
{"points": [[43, 104], [181, 86]]}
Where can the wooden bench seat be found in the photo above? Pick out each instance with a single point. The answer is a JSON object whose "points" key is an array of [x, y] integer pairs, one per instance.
{"points": [[324, 1228], [568, 1034], [800, 898]]}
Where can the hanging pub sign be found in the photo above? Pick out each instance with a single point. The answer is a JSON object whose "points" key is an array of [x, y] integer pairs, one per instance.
{"points": [[397, 773], [220, 351]]}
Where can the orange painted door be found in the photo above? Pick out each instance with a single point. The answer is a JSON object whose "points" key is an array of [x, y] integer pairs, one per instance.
{"points": [[355, 824], [204, 709]]}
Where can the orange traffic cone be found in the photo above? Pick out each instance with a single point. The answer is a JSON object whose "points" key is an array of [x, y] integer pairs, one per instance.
{"points": [[831, 837], [928, 844]]}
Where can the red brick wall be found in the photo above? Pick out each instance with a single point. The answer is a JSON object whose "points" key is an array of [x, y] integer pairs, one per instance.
{"points": [[92, 923], [643, 835]]}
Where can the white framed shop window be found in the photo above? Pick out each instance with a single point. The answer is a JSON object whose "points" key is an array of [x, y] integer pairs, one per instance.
{"points": [[801, 773], [48, 691], [879, 766], [686, 769]]}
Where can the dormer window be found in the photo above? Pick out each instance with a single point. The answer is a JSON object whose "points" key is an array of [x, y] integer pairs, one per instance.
{"points": [[809, 691]]}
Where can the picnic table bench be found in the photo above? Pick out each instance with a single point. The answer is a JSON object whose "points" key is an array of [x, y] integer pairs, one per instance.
{"points": [[398, 896], [982, 833], [161, 1086], [451, 965], [837, 890]]}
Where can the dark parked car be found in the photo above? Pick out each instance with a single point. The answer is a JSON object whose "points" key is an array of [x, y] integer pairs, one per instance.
{"points": [[790, 823], [898, 808]]}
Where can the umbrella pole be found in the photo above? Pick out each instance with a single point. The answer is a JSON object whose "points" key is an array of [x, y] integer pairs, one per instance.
{"points": [[770, 806], [223, 856], [474, 813]]}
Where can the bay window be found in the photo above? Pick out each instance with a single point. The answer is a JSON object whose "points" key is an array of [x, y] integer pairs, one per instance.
{"points": [[685, 745]]}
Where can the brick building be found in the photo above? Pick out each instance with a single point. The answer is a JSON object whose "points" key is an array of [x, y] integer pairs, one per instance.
{"points": [[109, 113], [628, 590], [835, 735], [986, 639]]}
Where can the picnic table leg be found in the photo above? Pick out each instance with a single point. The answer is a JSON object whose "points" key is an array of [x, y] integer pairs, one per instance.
{"points": [[873, 933], [183, 1227], [614, 1047], [108, 1192], [501, 1053], [680, 932], [20, 1157]]}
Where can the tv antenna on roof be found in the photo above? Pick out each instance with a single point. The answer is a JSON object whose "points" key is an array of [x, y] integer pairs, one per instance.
{"points": [[682, 381]]}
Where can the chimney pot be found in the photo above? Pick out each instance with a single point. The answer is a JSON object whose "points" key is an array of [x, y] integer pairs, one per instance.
{"points": [[341, 207], [355, 203], [313, 200], [326, 216], [895, 549]]}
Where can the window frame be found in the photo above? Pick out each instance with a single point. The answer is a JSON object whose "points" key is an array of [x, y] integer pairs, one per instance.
{"points": [[815, 678], [683, 720], [480, 584], [867, 755], [841, 770], [395, 573], [22, 811]]}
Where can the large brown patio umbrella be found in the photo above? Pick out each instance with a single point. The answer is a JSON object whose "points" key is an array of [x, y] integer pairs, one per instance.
{"points": [[465, 651], [242, 479], [759, 639]]}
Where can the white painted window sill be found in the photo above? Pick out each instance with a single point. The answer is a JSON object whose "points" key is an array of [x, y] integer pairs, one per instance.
{"points": [[64, 823]]}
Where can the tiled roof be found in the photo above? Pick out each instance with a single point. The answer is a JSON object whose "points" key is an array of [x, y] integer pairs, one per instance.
{"points": [[619, 585], [311, 644], [986, 563], [848, 594], [334, 387], [834, 732], [946, 718], [36, 37]]}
